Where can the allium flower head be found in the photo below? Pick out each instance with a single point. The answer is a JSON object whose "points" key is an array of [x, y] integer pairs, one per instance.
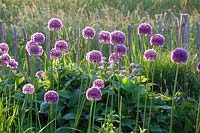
{"points": [[12, 63], [94, 56], [51, 97], [93, 93], [55, 54], [6, 58], [62, 45], [40, 74], [29, 44], [88, 32], [120, 49], [157, 40], [54, 24], [179, 55], [104, 37], [150, 55], [28, 89], [35, 50], [4, 48], [144, 29], [114, 58], [117, 37], [99, 83], [38, 37], [198, 67]]}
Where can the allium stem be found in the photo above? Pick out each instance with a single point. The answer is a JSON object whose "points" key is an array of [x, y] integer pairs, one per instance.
{"points": [[137, 116], [151, 101], [90, 118], [198, 116], [173, 98], [94, 113], [146, 96]]}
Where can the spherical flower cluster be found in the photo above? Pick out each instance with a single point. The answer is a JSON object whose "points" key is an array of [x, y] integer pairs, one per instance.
{"points": [[12, 63], [179, 55], [55, 54], [114, 58], [150, 55], [38, 38], [120, 49], [35, 50], [117, 37], [157, 40], [29, 44], [198, 67], [54, 24], [104, 37], [88, 32], [144, 29], [6, 58], [51, 97], [4, 48], [62, 45], [28, 89], [93, 93], [99, 83], [94, 56], [40, 74]]}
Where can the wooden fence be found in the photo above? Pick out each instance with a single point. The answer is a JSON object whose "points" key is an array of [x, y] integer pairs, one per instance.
{"points": [[181, 28]]}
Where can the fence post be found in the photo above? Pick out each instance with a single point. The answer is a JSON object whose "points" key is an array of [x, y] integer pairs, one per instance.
{"points": [[130, 43], [110, 46], [185, 30], [197, 35], [99, 44], [15, 43], [177, 32], [78, 45], [169, 33], [27, 55], [2, 32], [160, 26]]}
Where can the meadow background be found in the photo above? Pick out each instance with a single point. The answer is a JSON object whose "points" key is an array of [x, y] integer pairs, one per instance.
{"points": [[127, 114]]}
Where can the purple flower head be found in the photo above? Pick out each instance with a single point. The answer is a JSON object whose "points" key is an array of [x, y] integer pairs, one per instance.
{"points": [[88, 32], [4, 48], [120, 49], [56, 54], [6, 58], [179, 55], [99, 83], [38, 37], [29, 44], [94, 56], [144, 29], [62, 45], [35, 50], [51, 97], [12, 63], [104, 37], [117, 37], [28, 89], [157, 40], [198, 67], [93, 93], [114, 58], [150, 55], [40, 74], [54, 24]]}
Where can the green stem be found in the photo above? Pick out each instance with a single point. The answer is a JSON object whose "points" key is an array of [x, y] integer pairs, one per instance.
{"points": [[93, 119], [137, 116], [173, 95], [151, 100], [197, 121], [90, 119]]}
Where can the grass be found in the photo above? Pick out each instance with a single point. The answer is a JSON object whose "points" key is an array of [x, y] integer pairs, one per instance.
{"points": [[123, 97]]}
